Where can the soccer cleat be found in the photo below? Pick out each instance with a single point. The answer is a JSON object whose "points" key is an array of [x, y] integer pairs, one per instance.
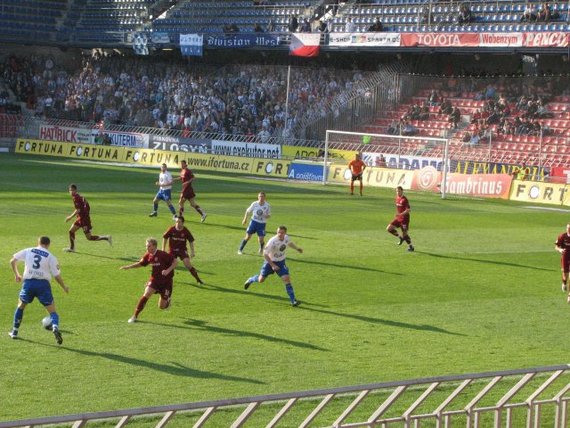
{"points": [[246, 284], [203, 219], [174, 217], [153, 214], [564, 288], [411, 248], [13, 334], [240, 252], [296, 303], [400, 240], [57, 335], [69, 250], [110, 240], [132, 319], [201, 282]]}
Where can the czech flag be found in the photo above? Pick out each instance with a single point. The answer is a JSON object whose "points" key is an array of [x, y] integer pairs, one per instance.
{"points": [[304, 44]]}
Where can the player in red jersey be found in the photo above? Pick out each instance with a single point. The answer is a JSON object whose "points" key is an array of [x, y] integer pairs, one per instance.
{"points": [[563, 246], [160, 281], [83, 220], [187, 177], [357, 168], [402, 219], [176, 236]]}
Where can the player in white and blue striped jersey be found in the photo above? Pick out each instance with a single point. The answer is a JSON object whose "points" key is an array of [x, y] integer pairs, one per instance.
{"points": [[40, 266]]}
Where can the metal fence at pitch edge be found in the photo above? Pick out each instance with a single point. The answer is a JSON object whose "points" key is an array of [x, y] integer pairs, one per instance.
{"points": [[516, 398]]}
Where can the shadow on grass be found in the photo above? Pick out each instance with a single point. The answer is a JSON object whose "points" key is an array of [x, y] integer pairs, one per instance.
{"points": [[99, 256], [242, 292], [171, 368], [493, 262], [194, 324], [390, 323], [313, 262]]}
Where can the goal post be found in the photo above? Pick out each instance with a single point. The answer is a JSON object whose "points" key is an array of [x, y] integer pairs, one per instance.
{"points": [[394, 152]]}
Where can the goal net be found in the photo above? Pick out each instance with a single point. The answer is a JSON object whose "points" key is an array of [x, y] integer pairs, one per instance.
{"points": [[418, 163]]}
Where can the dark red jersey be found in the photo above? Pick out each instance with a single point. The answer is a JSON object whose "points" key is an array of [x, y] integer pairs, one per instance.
{"points": [[177, 239], [186, 175], [81, 205], [159, 261], [402, 205], [563, 241]]}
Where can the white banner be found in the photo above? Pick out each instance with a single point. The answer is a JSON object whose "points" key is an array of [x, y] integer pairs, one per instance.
{"points": [[401, 162], [497, 40], [65, 134], [126, 139], [252, 150], [364, 39]]}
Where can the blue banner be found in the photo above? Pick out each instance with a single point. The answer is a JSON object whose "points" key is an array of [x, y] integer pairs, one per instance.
{"points": [[242, 40], [191, 44], [306, 171]]}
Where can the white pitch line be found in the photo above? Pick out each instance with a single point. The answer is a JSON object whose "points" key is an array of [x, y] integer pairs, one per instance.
{"points": [[562, 210]]}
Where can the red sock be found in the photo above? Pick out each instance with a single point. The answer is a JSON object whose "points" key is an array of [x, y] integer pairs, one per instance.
{"points": [[72, 240], [94, 238], [194, 273]]}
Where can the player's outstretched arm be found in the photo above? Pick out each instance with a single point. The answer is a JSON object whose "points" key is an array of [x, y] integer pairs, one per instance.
{"points": [[131, 266], [292, 245]]}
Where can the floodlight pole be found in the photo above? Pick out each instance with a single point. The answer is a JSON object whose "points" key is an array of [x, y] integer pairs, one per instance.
{"points": [[325, 158]]}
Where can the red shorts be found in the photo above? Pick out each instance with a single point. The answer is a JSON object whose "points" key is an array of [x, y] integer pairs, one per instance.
{"points": [[84, 223], [181, 254], [401, 222], [188, 193], [165, 290]]}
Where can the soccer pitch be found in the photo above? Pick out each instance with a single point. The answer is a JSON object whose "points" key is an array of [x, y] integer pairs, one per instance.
{"points": [[480, 293]]}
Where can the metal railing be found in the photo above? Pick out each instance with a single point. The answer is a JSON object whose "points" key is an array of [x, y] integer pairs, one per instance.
{"points": [[514, 398]]}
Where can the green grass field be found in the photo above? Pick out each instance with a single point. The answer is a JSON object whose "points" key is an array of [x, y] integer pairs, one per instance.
{"points": [[481, 292]]}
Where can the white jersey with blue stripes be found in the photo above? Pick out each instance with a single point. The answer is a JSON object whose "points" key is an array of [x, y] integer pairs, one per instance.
{"points": [[39, 263]]}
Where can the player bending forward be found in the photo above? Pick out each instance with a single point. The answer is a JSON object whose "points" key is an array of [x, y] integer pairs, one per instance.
{"points": [[160, 281], [82, 212], [40, 266], [274, 254], [402, 219]]}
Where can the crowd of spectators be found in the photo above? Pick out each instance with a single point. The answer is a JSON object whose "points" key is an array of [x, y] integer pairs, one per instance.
{"points": [[232, 100], [543, 13]]}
